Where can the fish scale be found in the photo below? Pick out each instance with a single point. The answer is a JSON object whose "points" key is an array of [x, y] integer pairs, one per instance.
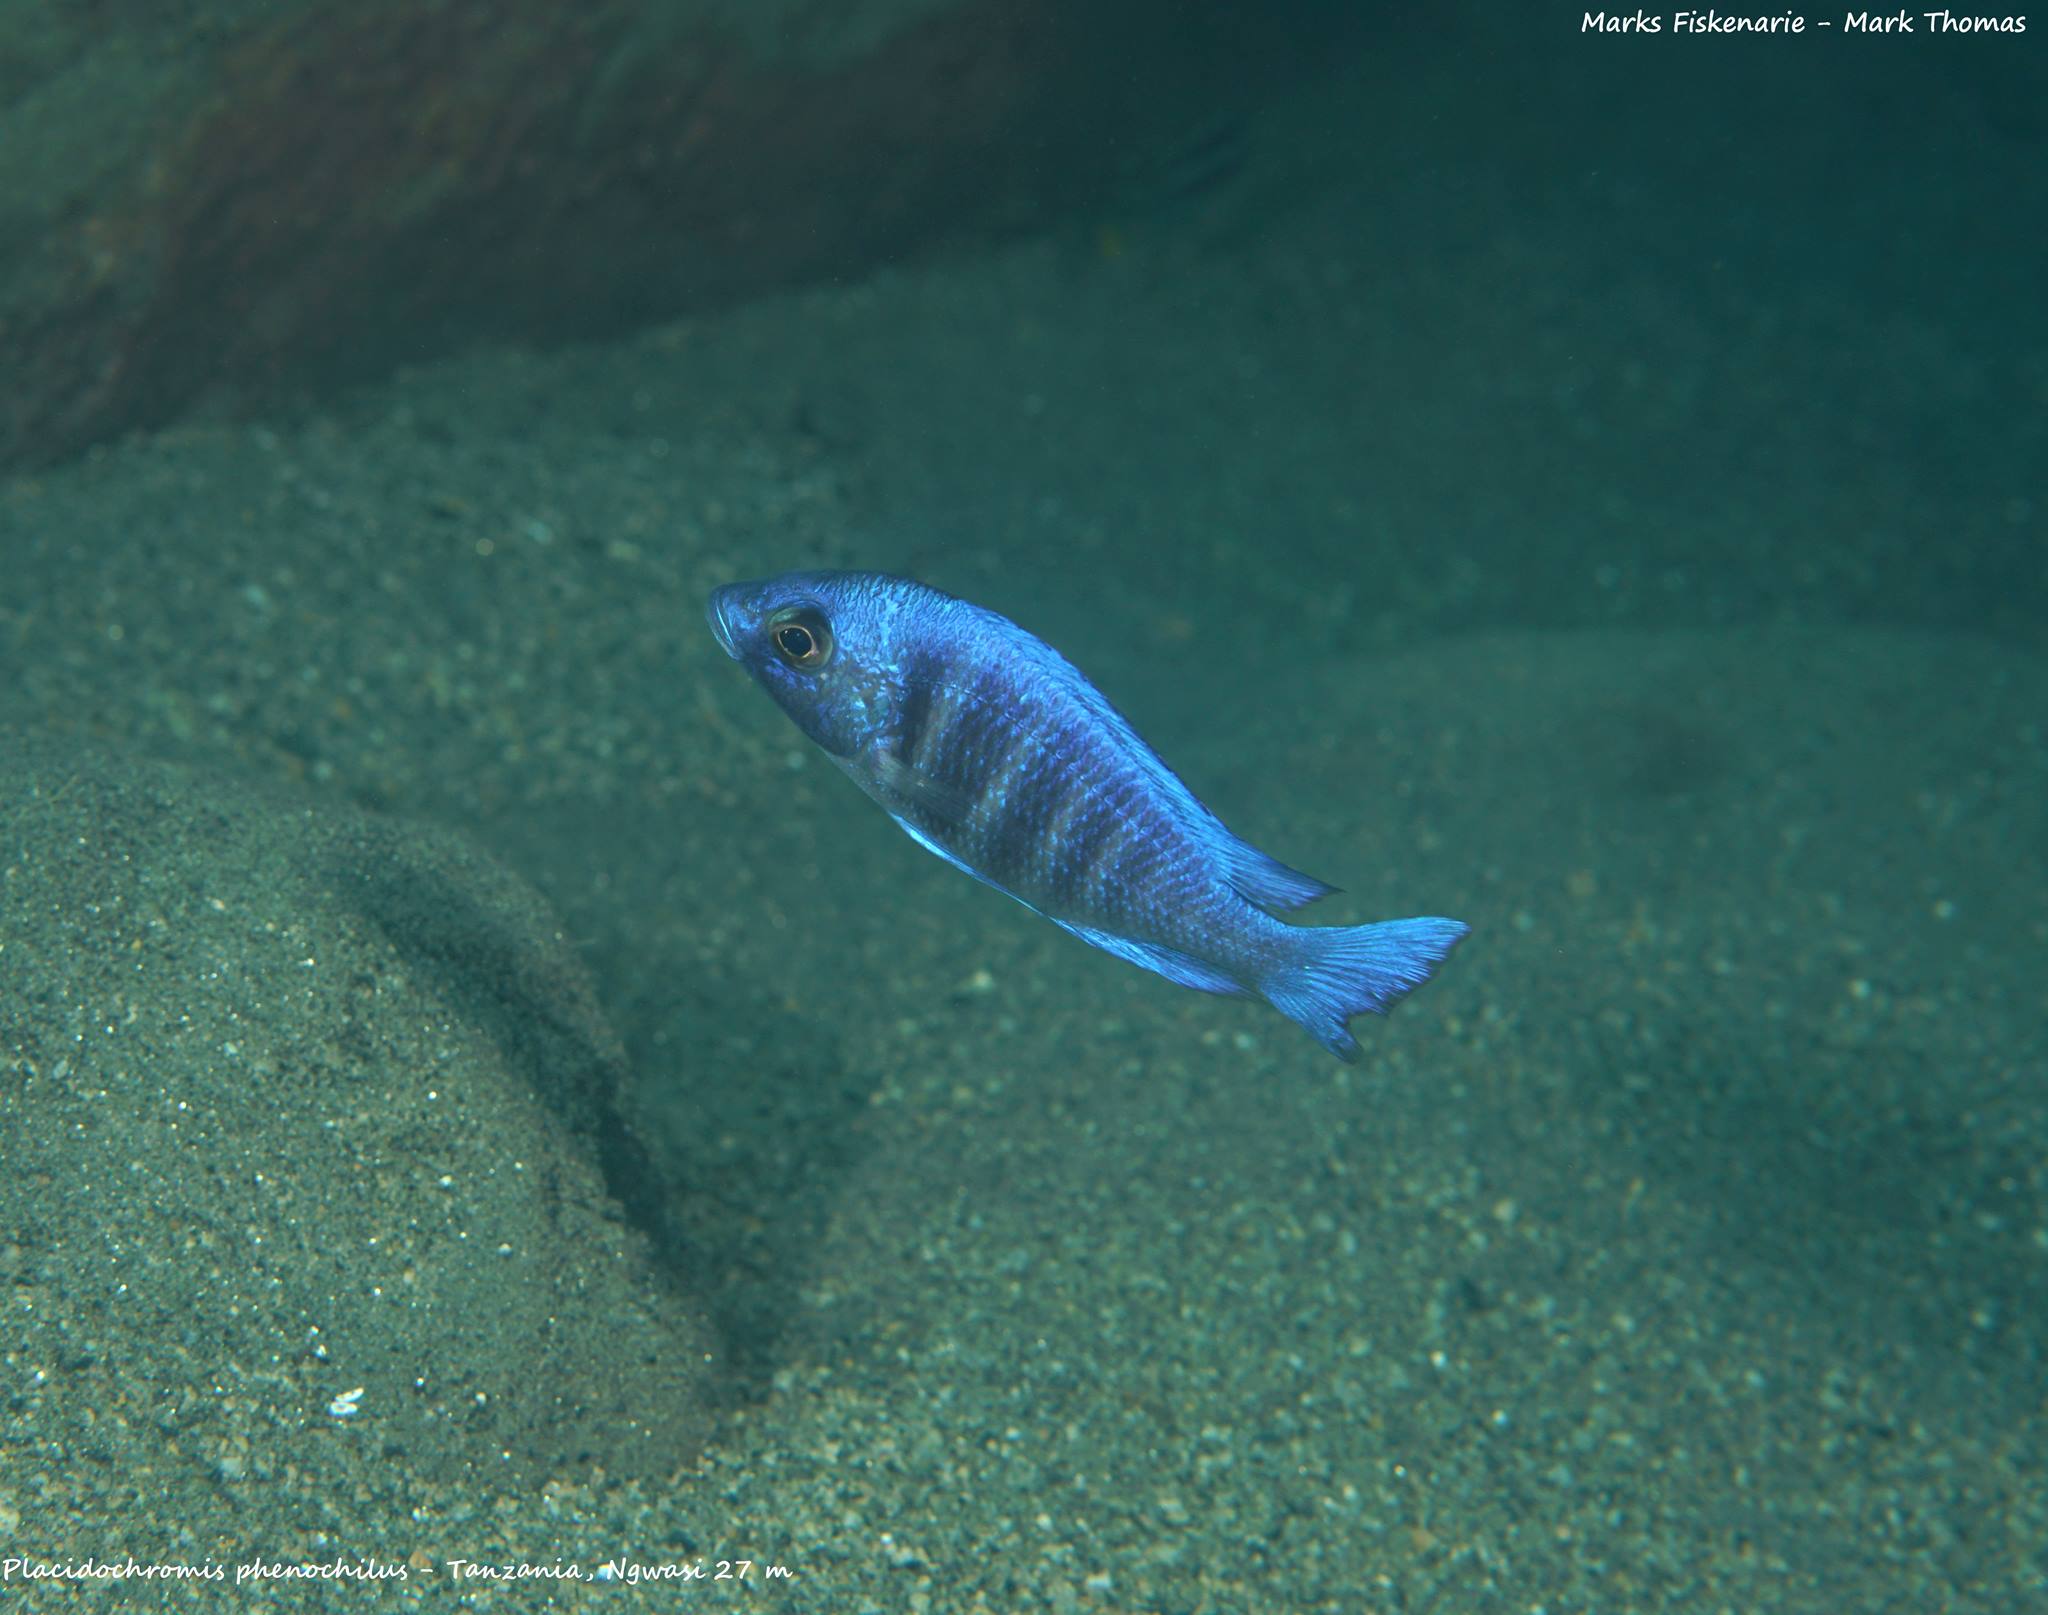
{"points": [[991, 750]]}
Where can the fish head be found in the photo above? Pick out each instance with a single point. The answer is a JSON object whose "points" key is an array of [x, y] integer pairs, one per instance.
{"points": [[823, 645]]}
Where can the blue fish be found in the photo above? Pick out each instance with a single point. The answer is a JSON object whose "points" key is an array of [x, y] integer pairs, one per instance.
{"points": [[990, 749]]}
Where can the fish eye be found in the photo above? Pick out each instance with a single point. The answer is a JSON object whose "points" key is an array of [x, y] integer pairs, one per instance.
{"points": [[801, 636]]}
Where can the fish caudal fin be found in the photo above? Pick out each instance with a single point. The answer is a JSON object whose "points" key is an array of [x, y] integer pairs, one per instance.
{"points": [[1335, 972]]}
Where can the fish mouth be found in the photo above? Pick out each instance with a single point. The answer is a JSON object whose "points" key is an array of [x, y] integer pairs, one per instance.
{"points": [[721, 624]]}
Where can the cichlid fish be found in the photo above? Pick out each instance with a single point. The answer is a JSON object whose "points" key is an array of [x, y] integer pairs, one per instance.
{"points": [[990, 749]]}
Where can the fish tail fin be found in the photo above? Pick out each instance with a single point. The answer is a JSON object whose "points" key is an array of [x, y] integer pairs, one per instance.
{"points": [[1332, 973]]}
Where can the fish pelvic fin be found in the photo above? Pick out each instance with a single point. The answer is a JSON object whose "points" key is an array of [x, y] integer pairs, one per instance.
{"points": [[1331, 973]]}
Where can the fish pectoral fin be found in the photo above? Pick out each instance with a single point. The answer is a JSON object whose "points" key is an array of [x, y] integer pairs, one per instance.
{"points": [[1171, 963], [904, 792], [908, 793]]}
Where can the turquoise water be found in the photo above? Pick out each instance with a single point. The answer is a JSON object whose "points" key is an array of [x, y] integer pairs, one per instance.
{"points": [[1595, 495]]}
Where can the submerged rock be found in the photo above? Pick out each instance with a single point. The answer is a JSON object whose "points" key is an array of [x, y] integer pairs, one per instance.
{"points": [[244, 200], [312, 1161]]}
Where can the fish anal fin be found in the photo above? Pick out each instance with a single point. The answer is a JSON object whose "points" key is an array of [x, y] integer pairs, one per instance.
{"points": [[1171, 963]]}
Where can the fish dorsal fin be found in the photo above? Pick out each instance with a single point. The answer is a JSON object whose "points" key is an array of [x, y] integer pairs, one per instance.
{"points": [[1266, 881]]}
